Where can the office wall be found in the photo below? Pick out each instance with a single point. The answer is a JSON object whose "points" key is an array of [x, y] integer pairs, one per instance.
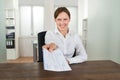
{"points": [[2, 33], [9, 4], [114, 33], [103, 41]]}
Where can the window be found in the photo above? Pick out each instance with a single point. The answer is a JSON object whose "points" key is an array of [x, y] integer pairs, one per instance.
{"points": [[38, 19], [31, 20]]}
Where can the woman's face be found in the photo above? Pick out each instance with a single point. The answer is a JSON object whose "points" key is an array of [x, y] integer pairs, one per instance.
{"points": [[62, 21]]}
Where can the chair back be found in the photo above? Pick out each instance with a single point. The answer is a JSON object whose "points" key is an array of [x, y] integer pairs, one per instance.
{"points": [[41, 42]]}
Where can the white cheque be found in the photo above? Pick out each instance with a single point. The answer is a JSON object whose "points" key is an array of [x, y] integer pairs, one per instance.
{"points": [[55, 61]]}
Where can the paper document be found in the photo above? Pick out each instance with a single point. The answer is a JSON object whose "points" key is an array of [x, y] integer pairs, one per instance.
{"points": [[55, 61]]}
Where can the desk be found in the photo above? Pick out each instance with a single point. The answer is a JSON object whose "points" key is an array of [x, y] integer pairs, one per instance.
{"points": [[90, 70]]}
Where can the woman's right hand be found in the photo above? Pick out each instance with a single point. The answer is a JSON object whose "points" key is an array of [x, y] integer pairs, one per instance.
{"points": [[50, 47]]}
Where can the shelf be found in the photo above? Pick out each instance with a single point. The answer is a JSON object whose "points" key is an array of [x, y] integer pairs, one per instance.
{"points": [[10, 27], [10, 18], [10, 21], [10, 53], [10, 39]]}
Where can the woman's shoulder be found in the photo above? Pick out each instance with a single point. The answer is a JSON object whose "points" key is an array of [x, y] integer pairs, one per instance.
{"points": [[50, 32], [73, 33]]}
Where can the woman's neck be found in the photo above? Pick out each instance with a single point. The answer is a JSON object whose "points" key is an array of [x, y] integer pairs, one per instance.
{"points": [[64, 32]]}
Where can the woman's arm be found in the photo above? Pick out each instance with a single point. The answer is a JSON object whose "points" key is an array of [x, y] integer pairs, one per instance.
{"points": [[81, 55], [49, 42]]}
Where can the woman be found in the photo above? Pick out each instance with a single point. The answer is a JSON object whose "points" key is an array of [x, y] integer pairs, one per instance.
{"points": [[64, 39]]}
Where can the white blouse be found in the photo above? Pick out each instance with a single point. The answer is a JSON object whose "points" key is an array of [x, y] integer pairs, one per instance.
{"points": [[67, 45]]}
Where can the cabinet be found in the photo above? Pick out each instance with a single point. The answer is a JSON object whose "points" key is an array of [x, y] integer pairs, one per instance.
{"points": [[10, 33]]}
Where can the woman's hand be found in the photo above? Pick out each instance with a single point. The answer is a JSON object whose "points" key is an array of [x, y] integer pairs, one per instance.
{"points": [[67, 61], [50, 47]]}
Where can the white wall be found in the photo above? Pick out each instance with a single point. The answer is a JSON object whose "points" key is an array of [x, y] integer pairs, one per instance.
{"points": [[80, 15], [49, 11], [103, 30], [114, 30], [2, 33], [31, 2], [9, 4]]}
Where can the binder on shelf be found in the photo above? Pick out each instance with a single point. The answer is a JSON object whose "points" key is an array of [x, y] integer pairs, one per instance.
{"points": [[10, 44]]}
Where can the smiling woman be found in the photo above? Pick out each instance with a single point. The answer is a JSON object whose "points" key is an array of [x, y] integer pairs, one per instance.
{"points": [[64, 39]]}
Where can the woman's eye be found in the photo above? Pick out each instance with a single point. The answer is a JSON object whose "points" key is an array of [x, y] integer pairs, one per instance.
{"points": [[59, 19], [65, 19]]}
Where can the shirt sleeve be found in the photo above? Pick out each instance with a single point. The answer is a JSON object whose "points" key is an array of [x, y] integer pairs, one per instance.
{"points": [[81, 54], [49, 37]]}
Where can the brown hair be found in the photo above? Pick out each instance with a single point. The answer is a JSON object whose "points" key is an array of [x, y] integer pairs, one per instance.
{"points": [[61, 9]]}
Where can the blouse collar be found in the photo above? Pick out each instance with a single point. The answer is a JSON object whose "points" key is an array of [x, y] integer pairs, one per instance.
{"points": [[58, 32]]}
